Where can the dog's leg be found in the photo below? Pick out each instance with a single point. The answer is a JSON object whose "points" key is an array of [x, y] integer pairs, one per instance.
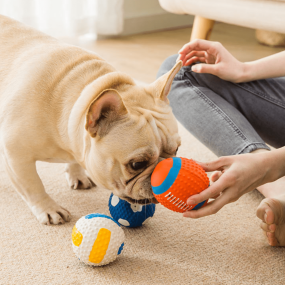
{"points": [[28, 184], [76, 177]]}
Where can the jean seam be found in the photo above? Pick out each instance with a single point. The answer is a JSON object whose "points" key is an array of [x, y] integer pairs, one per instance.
{"points": [[255, 144], [215, 108], [261, 94]]}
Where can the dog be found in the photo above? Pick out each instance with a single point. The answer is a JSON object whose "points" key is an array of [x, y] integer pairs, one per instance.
{"points": [[64, 104]]}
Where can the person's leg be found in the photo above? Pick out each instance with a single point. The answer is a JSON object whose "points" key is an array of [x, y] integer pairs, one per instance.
{"points": [[228, 118], [234, 119]]}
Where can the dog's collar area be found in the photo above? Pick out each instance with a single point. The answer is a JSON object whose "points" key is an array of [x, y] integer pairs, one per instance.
{"points": [[140, 201]]}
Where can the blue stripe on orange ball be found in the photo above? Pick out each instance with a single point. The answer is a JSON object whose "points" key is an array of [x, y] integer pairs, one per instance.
{"points": [[170, 178]]}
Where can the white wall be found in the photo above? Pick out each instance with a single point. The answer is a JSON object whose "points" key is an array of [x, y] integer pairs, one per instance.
{"points": [[139, 8], [146, 15]]}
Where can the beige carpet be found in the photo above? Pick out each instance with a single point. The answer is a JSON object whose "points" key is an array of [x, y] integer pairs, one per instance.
{"points": [[227, 248]]}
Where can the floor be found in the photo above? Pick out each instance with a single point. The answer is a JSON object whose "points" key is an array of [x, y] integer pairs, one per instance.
{"points": [[226, 248], [141, 55]]}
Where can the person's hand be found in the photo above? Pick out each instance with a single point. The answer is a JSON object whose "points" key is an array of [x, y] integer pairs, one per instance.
{"points": [[236, 176], [214, 58]]}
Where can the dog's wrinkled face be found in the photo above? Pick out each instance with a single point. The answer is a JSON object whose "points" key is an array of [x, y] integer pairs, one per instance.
{"points": [[130, 136]]}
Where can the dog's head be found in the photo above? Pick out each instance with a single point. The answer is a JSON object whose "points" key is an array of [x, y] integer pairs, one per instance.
{"points": [[131, 130]]}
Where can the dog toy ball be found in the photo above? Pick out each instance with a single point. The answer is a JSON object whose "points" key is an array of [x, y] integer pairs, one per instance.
{"points": [[175, 179], [129, 215], [97, 239]]}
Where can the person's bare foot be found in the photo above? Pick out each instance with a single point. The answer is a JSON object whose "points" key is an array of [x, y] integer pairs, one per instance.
{"points": [[271, 210]]}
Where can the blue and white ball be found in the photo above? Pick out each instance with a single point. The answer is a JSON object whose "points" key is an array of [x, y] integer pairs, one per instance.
{"points": [[129, 215], [97, 239]]}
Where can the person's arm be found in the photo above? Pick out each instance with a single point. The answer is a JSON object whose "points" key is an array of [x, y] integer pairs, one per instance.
{"points": [[267, 67], [240, 174], [214, 58]]}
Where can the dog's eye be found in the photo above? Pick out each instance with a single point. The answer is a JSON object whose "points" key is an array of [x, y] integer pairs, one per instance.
{"points": [[138, 165]]}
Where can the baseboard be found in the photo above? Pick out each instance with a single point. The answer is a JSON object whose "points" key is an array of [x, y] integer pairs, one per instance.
{"points": [[155, 23]]}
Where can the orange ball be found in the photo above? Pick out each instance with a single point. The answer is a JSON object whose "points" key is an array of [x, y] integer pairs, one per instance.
{"points": [[175, 179]]}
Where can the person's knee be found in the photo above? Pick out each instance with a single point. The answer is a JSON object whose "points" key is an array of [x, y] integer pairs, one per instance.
{"points": [[167, 65]]}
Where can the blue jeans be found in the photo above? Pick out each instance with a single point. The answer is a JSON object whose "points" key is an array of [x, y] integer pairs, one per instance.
{"points": [[229, 118]]}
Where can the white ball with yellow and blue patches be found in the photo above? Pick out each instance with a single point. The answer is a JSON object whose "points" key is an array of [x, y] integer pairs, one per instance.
{"points": [[97, 239]]}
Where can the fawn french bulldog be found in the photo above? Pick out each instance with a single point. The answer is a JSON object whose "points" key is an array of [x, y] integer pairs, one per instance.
{"points": [[61, 103]]}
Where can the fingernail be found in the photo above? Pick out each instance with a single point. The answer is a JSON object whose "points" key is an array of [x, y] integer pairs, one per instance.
{"points": [[190, 202], [194, 68]]}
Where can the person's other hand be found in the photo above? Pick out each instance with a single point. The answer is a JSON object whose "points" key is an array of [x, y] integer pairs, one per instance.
{"points": [[235, 176], [214, 58]]}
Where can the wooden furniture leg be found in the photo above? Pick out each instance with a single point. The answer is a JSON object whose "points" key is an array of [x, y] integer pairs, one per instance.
{"points": [[202, 28]]}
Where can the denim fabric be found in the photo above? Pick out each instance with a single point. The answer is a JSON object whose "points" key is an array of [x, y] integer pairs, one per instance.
{"points": [[228, 118]]}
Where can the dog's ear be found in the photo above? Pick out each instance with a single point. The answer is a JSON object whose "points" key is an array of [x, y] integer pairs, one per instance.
{"points": [[161, 87], [107, 109]]}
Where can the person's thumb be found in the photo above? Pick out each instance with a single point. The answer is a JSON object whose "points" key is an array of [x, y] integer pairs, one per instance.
{"points": [[204, 68]]}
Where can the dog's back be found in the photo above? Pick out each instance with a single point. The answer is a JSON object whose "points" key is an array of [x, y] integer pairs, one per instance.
{"points": [[25, 49], [15, 39], [40, 74], [38, 67]]}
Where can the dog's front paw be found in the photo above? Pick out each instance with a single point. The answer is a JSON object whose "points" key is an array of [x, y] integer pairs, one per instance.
{"points": [[76, 177], [78, 181], [49, 212]]}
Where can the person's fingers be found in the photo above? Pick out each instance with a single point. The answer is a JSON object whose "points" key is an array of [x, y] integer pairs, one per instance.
{"points": [[215, 164], [197, 45], [181, 57], [215, 176], [210, 209], [205, 68], [211, 192], [195, 53], [194, 59]]}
